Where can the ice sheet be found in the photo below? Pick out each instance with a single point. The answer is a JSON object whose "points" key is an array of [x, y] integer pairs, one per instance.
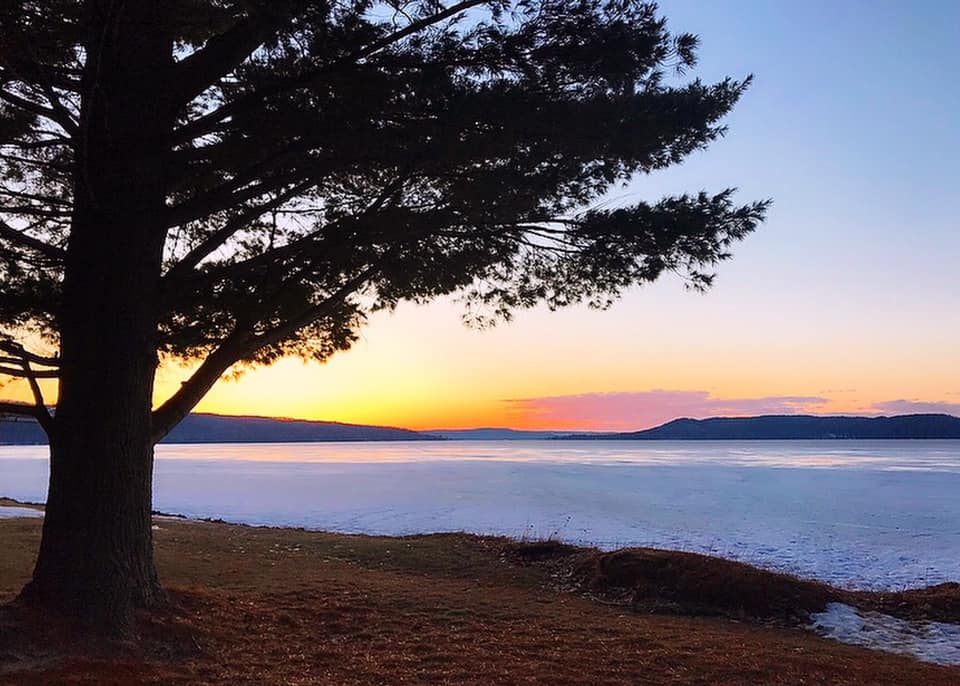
{"points": [[881, 515], [929, 641], [7, 512]]}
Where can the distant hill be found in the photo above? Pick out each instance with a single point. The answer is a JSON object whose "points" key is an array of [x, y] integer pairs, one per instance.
{"points": [[21, 431], [794, 427], [212, 428], [486, 434]]}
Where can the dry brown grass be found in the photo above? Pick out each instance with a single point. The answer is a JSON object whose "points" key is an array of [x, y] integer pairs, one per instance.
{"points": [[281, 606]]}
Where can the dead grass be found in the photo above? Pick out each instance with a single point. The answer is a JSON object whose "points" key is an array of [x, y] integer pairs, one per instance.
{"points": [[282, 606], [940, 603], [691, 584]]}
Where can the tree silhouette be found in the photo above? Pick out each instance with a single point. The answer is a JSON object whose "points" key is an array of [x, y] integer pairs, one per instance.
{"points": [[233, 181]]}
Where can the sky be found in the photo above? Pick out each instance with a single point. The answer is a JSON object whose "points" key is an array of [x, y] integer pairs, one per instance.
{"points": [[844, 301]]}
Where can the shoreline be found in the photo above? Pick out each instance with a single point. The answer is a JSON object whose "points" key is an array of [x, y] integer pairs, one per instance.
{"points": [[822, 523], [866, 590], [923, 622]]}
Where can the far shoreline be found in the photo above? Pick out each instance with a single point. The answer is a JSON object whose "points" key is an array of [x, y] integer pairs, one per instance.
{"points": [[205, 428]]}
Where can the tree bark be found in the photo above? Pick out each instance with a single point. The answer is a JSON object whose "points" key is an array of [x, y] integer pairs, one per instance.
{"points": [[96, 556]]}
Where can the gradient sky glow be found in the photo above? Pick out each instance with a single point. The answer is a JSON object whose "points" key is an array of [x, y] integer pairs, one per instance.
{"points": [[846, 300]]}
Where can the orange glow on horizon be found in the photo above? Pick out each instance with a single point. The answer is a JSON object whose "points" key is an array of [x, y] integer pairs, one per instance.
{"points": [[522, 375]]}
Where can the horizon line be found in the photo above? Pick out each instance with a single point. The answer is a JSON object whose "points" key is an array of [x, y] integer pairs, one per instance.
{"points": [[577, 430]]}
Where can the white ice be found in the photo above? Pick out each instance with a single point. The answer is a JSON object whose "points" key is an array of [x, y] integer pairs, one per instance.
{"points": [[929, 641], [7, 512], [881, 514]]}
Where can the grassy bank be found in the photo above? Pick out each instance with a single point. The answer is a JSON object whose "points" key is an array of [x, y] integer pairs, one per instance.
{"points": [[283, 606]]}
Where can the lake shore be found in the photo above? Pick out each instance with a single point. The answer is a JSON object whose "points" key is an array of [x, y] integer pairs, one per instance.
{"points": [[274, 605], [858, 515]]}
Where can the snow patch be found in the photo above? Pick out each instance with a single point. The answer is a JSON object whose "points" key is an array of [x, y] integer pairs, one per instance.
{"points": [[935, 642], [8, 512]]}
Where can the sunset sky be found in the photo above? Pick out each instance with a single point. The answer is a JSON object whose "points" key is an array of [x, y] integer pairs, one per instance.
{"points": [[846, 300]]}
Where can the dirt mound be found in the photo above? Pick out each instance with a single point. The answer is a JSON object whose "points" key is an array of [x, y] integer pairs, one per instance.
{"points": [[686, 583], [671, 582], [940, 603]]}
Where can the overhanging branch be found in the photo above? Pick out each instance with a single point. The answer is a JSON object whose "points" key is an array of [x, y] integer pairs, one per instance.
{"points": [[180, 277], [229, 194], [29, 373], [220, 55], [20, 353], [39, 410], [201, 124], [235, 347], [18, 409], [58, 116], [43, 414], [215, 240], [179, 405]]}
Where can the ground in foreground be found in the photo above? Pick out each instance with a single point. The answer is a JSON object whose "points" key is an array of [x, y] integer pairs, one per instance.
{"points": [[281, 606]]}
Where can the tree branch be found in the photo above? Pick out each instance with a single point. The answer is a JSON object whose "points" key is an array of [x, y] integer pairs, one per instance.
{"points": [[22, 358], [312, 314], [191, 391], [51, 113], [221, 53], [34, 197], [19, 409], [219, 237], [176, 279], [227, 195], [30, 373], [21, 353], [57, 104], [235, 347], [40, 74], [43, 414], [19, 58], [12, 235], [198, 126], [34, 211]]}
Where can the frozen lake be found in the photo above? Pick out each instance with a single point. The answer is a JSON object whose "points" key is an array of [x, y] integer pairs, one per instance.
{"points": [[874, 514]]}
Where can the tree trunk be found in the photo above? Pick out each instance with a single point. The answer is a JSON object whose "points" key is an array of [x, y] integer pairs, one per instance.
{"points": [[96, 555]]}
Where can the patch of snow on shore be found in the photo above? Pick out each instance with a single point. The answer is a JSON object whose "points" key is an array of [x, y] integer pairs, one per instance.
{"points": [[7, 512], [935, 642]]}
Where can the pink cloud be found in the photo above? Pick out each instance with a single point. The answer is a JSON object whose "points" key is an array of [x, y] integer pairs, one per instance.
{"points": [[640, 410], [916, 407]]}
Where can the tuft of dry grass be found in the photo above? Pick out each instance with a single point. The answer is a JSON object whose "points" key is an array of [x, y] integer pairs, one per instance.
{"points": [[283, 606], [940, 603], [692, 584]]}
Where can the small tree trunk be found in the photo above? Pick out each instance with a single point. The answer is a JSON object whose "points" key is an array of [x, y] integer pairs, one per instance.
{"points": [[96, 556]]}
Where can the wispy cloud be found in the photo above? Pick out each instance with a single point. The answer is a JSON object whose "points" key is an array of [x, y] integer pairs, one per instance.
{"points": [[916, 407], [637, 410]]}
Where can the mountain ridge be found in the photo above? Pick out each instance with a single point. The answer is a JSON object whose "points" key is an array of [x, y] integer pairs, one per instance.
{"points": [[204, 427], [497, 433], [794, 427]]}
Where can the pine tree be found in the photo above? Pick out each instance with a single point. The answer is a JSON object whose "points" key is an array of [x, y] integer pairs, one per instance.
{"points": [[233, 181]]}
